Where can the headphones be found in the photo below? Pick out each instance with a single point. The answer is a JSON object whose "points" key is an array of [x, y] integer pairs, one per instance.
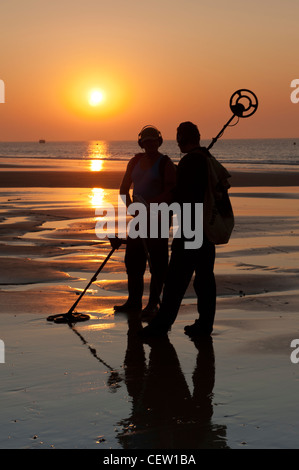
{"points": [[155, 131]]}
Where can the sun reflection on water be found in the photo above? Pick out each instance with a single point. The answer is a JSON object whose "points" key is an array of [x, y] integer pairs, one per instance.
{"points": [[97, 197], [97, 151], [96, 165]]}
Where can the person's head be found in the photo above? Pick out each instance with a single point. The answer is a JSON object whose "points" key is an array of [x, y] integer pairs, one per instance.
{"points": [[188, 136], [150, 138]]}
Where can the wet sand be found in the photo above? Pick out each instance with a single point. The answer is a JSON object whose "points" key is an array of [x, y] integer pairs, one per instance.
{"points": [[96, 385], [111, 179]]}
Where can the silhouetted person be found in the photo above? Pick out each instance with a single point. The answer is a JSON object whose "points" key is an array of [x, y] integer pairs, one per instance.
{"points": [[192, 180], [153, 177]]}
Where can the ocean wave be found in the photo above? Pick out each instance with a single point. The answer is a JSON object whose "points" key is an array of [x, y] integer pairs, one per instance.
{"points": [[225, 161]]}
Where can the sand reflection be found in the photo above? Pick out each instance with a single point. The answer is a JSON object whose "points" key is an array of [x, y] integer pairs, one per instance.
{"points": [[96, 165], [97, 197]]}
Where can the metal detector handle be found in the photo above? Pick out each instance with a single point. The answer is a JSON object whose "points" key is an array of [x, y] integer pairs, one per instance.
{"points": [[116, 242]]}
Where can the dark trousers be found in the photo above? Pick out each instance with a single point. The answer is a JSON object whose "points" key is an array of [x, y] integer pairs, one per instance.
{"points": [[183, 264], [136, 261]]}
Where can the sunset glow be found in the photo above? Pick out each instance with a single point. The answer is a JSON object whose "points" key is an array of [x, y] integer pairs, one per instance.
{"points": [[102, 74], [96, 97]]}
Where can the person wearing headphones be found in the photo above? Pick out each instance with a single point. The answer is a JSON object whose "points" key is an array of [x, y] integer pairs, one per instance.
{"points": [[153, 177], [192, 183]]}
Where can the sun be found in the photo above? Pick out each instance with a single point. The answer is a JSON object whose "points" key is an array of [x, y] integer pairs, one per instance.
{"points": [[96, 94], [96, 97]]}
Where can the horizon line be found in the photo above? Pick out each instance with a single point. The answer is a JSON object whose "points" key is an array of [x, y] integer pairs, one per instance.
{"points": [[135, 140]]}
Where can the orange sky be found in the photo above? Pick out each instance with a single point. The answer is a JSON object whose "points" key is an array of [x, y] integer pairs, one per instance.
{"points": [[158, 62]]}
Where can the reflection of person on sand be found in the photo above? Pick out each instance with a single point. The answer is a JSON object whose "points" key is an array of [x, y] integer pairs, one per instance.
{"points": [[153, 177], [192, 178], [164, 413]]}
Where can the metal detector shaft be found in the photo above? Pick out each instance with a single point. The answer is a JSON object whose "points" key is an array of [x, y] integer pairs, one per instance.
{"points": [[221, 132], [94, 277]]}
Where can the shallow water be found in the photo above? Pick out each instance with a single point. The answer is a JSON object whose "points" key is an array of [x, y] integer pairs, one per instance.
{"points": [[97, 386], [238, 154]]}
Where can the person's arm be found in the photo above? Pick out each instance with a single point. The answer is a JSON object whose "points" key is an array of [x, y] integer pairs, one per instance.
{"points": [[169, 183], [126, 183]]}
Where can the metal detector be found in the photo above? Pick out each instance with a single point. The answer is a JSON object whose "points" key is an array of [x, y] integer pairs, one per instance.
{"points": [[71, 317], [243, 104]]}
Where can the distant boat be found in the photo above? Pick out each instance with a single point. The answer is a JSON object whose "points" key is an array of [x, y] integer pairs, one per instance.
{"points": [[42, 141]]}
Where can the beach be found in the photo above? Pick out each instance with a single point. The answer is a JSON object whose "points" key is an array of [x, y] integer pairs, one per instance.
{"points": [[96, 385]]}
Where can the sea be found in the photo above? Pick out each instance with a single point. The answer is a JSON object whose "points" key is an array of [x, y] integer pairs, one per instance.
{"points": [[236, 154]]}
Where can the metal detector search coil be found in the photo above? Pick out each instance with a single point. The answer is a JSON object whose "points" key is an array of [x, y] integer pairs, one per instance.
{"points": [[243, 103]]}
